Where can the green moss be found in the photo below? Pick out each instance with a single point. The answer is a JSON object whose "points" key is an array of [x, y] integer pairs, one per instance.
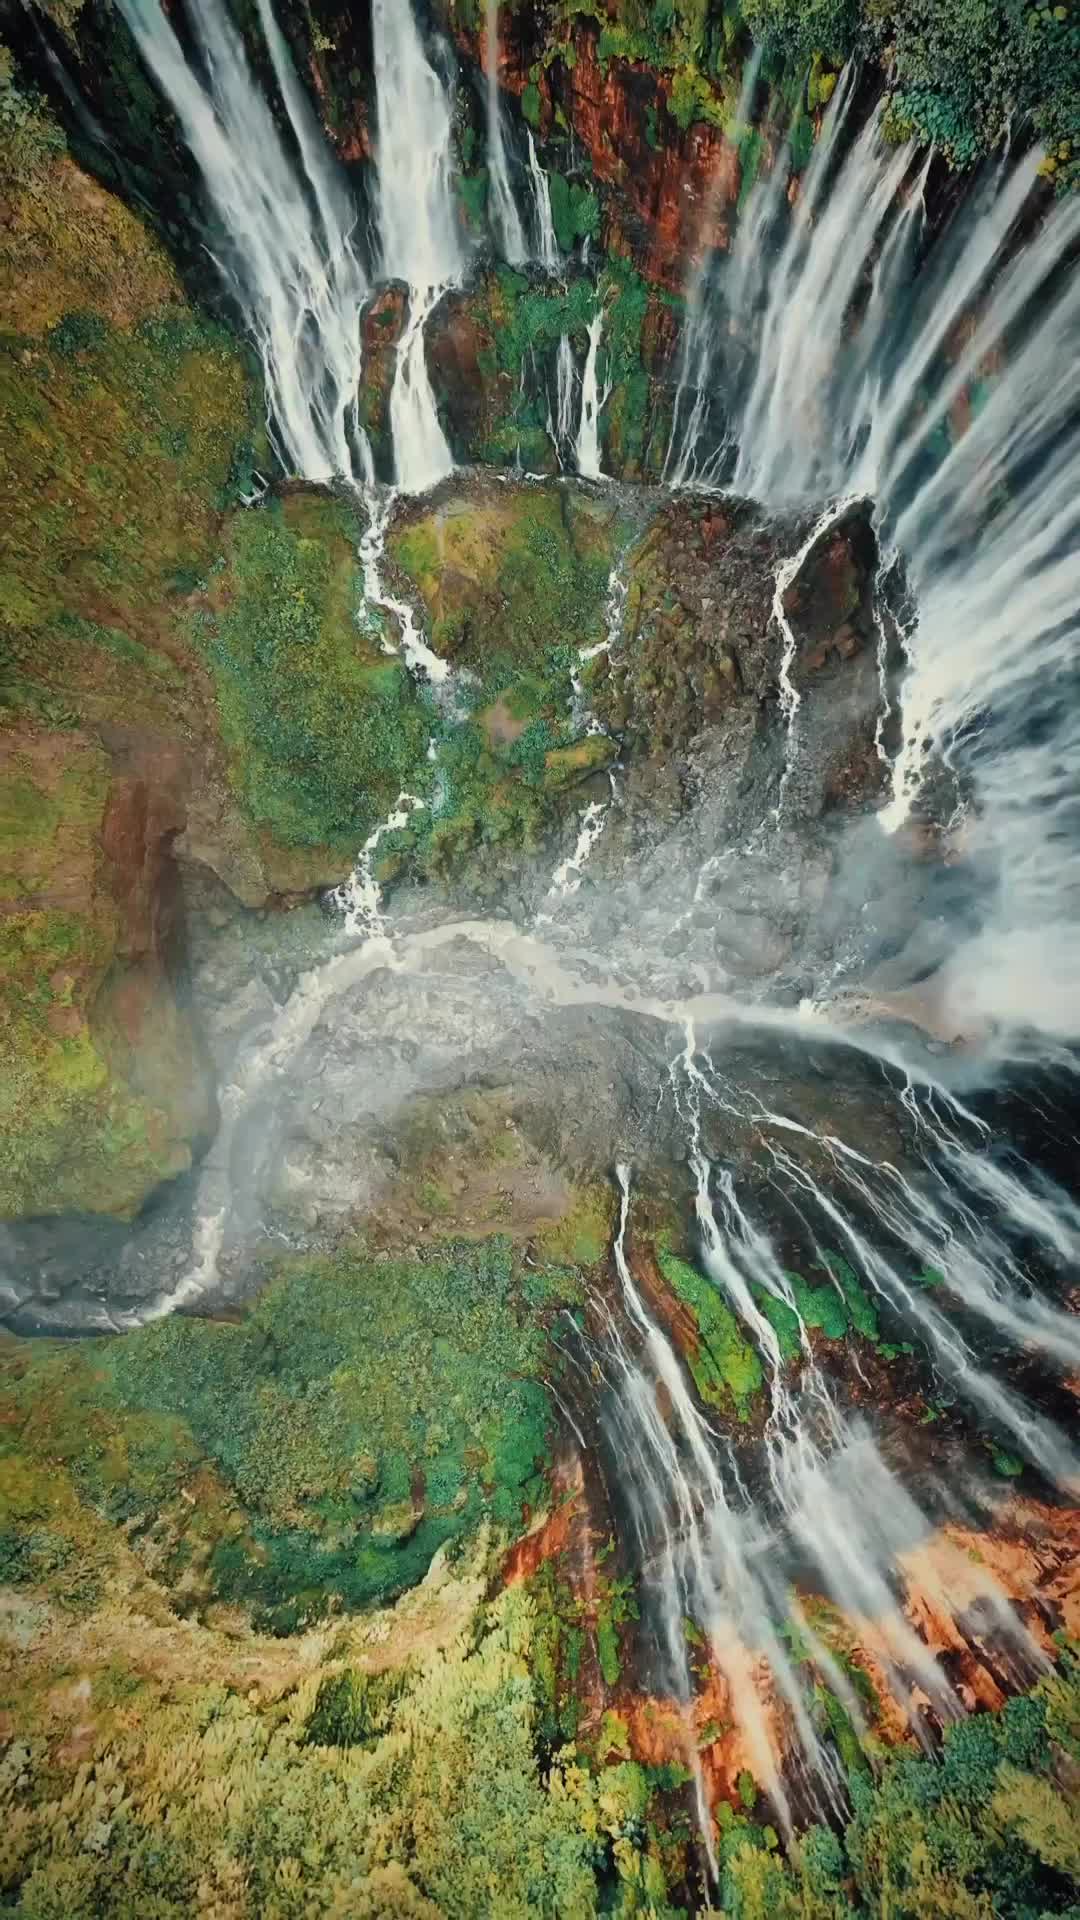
{"points": [[725, 1367], [363, 1415], [513, 582], [114, 466], [558, 1640], [509, 581], [473, 189], [581, 1238], [834, 1309], [354, 1708], [575, 211], [323, 730]]}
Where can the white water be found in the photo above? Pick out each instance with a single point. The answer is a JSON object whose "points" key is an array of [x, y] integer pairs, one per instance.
{"points": [[687, 463], [560, 421], [422, 455], [567, 876], [712, 1554], [290, 252], [786, 574], [360, 896], [418, 229], [419, 657], [984, 514], [593, 401], [546, 248], [505, 219]]}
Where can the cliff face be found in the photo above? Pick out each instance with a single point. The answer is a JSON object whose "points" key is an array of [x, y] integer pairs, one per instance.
{"points": [[670, 187]]}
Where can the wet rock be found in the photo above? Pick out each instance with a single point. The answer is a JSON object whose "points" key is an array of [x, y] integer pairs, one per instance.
{"points": [[107, 1084]]}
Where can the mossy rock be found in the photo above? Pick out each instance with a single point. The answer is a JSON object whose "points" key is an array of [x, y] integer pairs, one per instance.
{"points": [[724, 1365], [102, 1092], [567, 766], [506, 573], [323, 728]]}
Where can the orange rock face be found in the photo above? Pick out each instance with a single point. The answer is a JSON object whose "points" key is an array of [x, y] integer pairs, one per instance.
{"points": [[984, 1601], [677, 188]]}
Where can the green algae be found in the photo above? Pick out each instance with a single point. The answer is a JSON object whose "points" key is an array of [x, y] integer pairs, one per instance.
{"points": [[725, 1367]]}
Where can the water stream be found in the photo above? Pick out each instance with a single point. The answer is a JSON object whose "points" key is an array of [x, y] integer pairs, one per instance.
{"points": [[842, 382], [418, 229], [505, 219], [593, 400], [547, 247]]}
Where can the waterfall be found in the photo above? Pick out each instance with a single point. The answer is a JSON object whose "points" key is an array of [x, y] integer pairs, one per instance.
{"points": [[560, 420], [567, 876], [504, 214], [547, 247], [864, 341], [711, 1554], [684, 465], [289, 253], [786, 573], [422, 455], [360, 896], [592, 402], [418, 231], [418, 656]]}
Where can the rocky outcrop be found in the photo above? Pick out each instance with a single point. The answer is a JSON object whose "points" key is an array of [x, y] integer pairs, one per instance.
{"points": [[672, 182], [106, 1088]]}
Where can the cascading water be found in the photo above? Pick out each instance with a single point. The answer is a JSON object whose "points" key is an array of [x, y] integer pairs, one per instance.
{"points": [[593, 400], [856, 375], [685, 464], [418, 230], [547, 246], [288, 250], [712, 1554], [560, 420], [853, 379], [785, 575], [506, 220], [418, 656]]}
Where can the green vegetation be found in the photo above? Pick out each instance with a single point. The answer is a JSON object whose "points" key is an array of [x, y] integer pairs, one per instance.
{"points": [[323, 730], [421, 1799], [122, 447], [29, 136], [962, 71], [518, 320], [575, 211], [725, 1367], [694, 42], [835, 1307], [129, 424], [363, 1415], [558, 1644], [987, 1828], [513, 583], [615, 1605]]}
